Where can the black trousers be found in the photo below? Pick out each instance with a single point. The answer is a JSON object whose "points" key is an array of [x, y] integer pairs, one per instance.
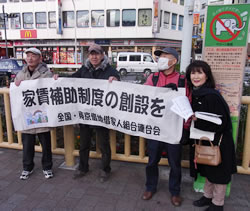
{"points": [[103, 142], [155, 149], [29, 141]]}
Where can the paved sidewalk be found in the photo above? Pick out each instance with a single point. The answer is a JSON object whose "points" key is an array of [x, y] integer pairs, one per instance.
{"points": [[122, 192]]}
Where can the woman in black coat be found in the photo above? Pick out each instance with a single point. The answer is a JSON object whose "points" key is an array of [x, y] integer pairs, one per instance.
{"points": [[206, 99]]}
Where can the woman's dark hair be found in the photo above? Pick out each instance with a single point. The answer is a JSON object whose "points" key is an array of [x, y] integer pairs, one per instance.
{"points": [[196, 66]]}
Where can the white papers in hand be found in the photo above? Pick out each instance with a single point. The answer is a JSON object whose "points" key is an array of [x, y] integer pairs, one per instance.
{"points": [[182, 107], [197, 134], [209, 117]]}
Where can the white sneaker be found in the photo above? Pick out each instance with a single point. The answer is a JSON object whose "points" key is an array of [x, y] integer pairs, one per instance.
{"points": [[48, 174], [25, 174]]}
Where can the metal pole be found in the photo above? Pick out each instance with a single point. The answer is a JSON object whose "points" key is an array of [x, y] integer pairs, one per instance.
{"points": [[5, 33], [186, 46], [73, 2]]}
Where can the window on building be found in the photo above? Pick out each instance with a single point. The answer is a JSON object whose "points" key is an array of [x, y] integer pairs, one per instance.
{"points": [[26, 0], [113, 17], [3, 1], [2, 21], [15, 23], [181, 2], [97, 18], [28, 20], [13, 0], [180, 26], [39, 0], [68, 19], [175, 1], [82, 18], [203, 6], [41, 20], [52, 19], [135, 58], [174, 21], [128, 17], [166, 20], [145, 17]]}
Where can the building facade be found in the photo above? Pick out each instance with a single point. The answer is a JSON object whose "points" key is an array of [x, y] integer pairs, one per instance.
{"points": [[65, 28]]}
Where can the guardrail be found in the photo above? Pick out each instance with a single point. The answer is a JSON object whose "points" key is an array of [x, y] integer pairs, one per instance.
{"points": [[70, 152]]}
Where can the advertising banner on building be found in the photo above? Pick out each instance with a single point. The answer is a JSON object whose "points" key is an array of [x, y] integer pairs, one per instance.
{"points": [[133, 109], [225, 50]]}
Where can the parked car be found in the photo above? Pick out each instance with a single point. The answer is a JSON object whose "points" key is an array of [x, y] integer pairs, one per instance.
{"points": [[9, 68], [128, 62]]}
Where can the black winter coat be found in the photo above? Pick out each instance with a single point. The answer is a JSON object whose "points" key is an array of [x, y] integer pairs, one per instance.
{"points": [[210, 100], [103, 72]]}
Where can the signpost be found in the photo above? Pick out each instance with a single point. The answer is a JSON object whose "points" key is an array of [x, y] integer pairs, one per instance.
{"points": [[225, 51]]}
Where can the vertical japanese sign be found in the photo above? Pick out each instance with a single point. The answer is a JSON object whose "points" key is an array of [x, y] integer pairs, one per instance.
{"points": [[225, 49], [156, 19], [59, 17]]}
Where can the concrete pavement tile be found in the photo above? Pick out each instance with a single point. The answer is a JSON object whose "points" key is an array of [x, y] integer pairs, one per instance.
{"points": [[13, 187], [7, 207], [46, 188], [88, 201], [75, 193], [108, 198], [124, 205], [26, 205], [104, 207], [56, 195], [63, 209], [16, 198], [47, 204], [3, 184], [115, 188], [67, 202], [84, 208], [92, 190]]}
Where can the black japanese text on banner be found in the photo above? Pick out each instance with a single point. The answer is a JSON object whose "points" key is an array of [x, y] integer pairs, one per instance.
{"points": [[133, 109]]}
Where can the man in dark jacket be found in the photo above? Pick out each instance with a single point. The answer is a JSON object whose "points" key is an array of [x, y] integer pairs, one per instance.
{"points": [[95, 67]]}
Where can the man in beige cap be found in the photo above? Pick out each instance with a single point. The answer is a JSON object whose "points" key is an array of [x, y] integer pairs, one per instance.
{"points": [[35, 69], [95, 67]]}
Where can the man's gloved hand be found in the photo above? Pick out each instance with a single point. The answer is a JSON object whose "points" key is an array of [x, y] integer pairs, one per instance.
{"points": [[172, 86], [185, 137]]}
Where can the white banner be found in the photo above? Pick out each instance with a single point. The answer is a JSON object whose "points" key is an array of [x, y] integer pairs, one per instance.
{"points": [[138, 110]]}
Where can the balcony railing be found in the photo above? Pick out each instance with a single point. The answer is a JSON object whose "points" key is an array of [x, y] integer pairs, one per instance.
{"points": [[70, 152]]}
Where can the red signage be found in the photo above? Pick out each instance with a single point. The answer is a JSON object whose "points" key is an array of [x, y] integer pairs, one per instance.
{"points": [[28, 34]]}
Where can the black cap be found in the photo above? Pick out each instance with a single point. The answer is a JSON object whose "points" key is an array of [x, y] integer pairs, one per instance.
{"points": [[171, 51]]}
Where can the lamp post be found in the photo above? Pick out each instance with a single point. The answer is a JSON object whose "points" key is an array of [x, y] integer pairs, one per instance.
{"points": [[73, 2], [5, 33]]}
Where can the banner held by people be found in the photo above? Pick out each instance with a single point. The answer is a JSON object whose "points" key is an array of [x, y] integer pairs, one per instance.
{"points": [[129, 108]]}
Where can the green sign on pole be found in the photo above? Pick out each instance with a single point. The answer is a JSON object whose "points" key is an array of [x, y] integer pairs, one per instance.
{"points": [[227, 25], [226, 39]]}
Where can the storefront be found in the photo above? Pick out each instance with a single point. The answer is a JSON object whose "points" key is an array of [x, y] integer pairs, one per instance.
{"points": [[62, 52]]}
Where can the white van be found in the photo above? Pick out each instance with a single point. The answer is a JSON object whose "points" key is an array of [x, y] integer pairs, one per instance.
{"points": [[128, 62]]}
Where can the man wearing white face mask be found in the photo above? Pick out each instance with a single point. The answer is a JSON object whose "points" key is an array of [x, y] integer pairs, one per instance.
{"points": [[166, 77]]}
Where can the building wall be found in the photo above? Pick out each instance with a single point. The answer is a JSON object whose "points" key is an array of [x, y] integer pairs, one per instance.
{"points": [[96, 32]]}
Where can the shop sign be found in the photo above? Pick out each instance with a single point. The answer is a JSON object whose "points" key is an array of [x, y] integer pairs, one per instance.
{"points": [[102, 42], [3, 45], [196, 19], [28, 34], [156, 19]]}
